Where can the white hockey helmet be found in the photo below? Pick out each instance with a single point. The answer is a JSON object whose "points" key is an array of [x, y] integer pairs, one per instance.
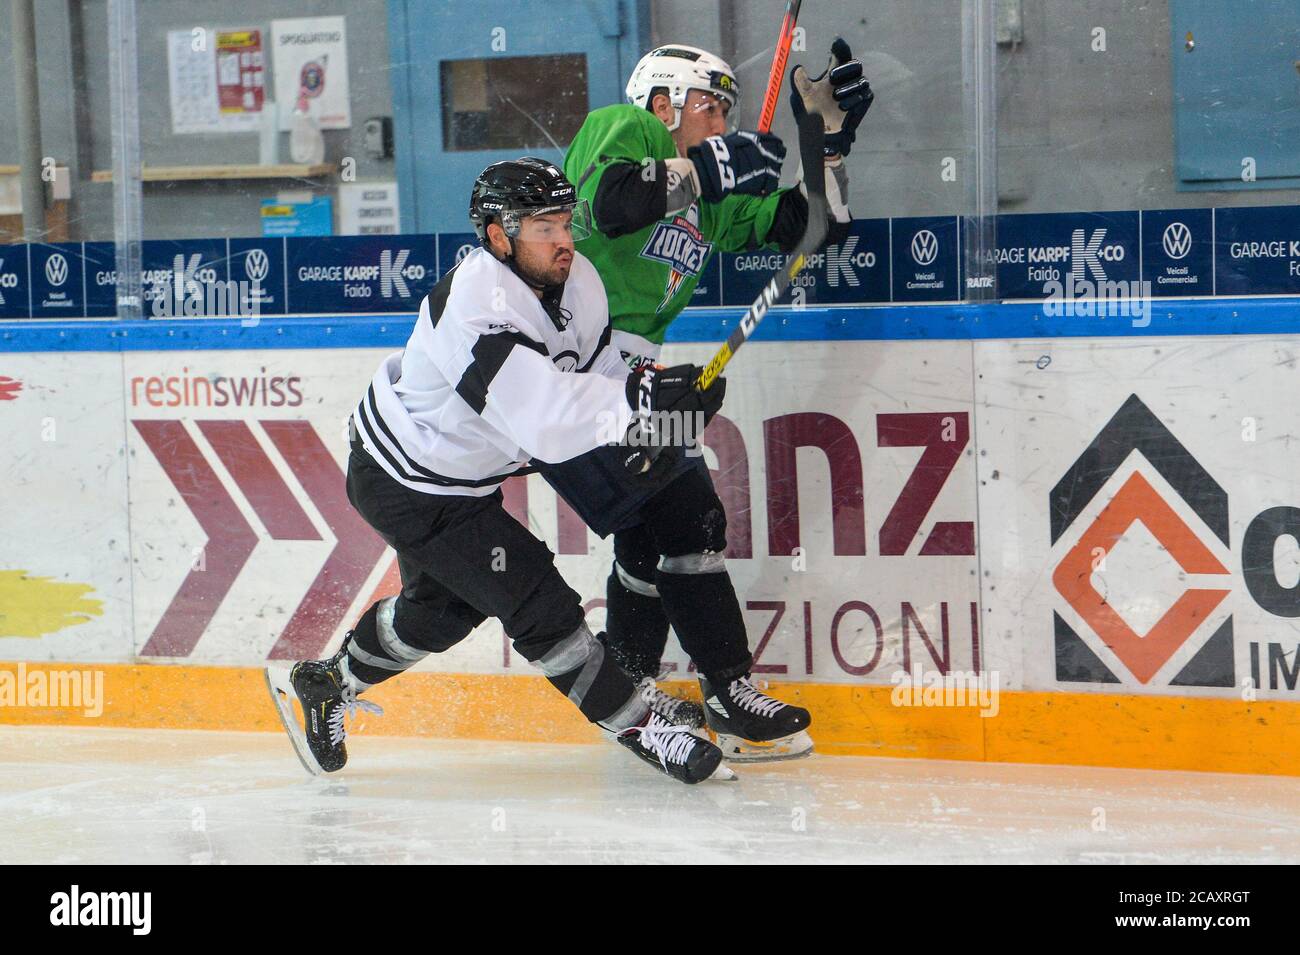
{"points": [[678, 69]]}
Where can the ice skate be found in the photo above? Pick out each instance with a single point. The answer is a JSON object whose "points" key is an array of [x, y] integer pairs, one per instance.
{"points": [[675, 710], [753, 727], [326, 699], [675, 750]]}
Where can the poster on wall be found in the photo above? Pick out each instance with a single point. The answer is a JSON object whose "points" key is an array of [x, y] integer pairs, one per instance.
{"points": [[240, 88], [215, 79], [311, 70]]}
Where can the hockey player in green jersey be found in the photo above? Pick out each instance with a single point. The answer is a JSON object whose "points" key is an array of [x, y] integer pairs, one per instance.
{"points": [[668, 186]]}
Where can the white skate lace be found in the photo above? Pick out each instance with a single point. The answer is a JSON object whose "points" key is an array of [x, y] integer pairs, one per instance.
{"points": [[659, 701], [670, 743], [745, 694], [349, 707]]}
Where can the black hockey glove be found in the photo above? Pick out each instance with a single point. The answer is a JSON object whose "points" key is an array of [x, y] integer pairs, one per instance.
{"points": [[669, 415], [841, 94], [745, 162], [652, 389]]}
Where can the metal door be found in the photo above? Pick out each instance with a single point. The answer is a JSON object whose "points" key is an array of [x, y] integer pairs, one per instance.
{"points": [[440, 49], [1236, 92]]}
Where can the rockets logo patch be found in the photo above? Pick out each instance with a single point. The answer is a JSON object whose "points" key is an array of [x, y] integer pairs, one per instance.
{"points": [[678, 244]]}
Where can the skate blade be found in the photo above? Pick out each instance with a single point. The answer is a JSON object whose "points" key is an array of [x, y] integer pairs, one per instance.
{"points": [[282, 695], [737, 750], [723, 775]]}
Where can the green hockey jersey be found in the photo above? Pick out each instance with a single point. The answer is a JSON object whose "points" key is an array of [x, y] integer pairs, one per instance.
{"points": [[649, 274]]}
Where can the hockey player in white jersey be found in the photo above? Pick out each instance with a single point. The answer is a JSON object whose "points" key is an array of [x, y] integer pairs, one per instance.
{"points": [[510, 360]]}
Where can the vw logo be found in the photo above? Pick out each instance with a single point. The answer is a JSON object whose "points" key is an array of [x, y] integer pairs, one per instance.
{"points": [[463, 251], [56, 269], [256, 265], [1177, 240], [925, 247]]}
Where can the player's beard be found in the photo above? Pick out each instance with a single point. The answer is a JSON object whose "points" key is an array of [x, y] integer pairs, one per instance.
{"points": [[553, 271]]}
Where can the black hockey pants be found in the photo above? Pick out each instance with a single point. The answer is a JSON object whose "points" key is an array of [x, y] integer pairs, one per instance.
{"points": [[668, 565], [464, 559]]}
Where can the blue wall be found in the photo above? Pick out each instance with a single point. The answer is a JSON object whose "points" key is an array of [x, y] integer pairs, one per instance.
{"points": [[434, 184]]}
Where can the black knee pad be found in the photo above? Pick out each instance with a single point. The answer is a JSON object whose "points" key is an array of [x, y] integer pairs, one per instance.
{"points": [[636, 551], [549, 614], [688, 517], [433, 627]]}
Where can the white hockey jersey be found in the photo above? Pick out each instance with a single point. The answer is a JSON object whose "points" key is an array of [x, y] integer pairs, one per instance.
{"points": [[489, 380]]}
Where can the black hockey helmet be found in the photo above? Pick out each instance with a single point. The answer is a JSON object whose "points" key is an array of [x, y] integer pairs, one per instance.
{"points": [[515, 188]]}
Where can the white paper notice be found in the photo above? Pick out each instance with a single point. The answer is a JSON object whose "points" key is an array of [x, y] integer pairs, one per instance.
{"points": [[368, 208], [193, 75], [311, 61]]}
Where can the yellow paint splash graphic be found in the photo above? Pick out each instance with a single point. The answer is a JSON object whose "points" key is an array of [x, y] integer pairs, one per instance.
{"points": [[35, 606]]}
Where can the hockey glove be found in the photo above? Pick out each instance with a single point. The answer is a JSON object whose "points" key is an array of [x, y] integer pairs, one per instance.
{"points": [[745, 162], [841, 94], [670, 415], [655, 389]]}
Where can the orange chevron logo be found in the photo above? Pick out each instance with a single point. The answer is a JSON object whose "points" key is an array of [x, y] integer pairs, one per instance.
{"points": [[1135, 429]]}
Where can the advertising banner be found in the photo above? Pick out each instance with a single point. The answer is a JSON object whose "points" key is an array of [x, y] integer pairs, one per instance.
{"points": [[1257, 251], [1067, 255], [15, 288], [245, 545], [58, 276], [925, 260], [851, 511], [1178, 252], [855, 270], [1091, 268], [361, 273], [1138, 528], [65, 561]]}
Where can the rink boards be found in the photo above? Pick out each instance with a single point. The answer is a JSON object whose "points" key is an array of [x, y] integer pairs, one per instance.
{"points": [[1099, 532]]}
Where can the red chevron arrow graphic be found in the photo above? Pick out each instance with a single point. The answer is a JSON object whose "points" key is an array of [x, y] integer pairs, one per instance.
{"points": [[9, 388], [259, 481], [230, 539], [351, 561]]}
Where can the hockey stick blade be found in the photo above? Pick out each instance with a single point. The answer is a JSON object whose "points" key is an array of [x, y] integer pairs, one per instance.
{"points": [[812, 135]]}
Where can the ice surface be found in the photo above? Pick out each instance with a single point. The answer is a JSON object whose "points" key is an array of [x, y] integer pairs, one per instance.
{"points": [[117, 795]]}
